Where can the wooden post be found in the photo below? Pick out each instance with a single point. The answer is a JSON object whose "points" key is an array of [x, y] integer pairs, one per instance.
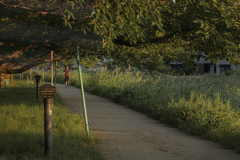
{"points": [[0, 80], [129, 67], [20, 75], [55, 74], [30, 73], [11, 78], [34, 74], [52, 76], [48, 125], [52, 68], [43, 75]]}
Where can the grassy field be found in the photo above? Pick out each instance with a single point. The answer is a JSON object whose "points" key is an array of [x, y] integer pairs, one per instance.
{"points": [[206, 105], [22, 127]]}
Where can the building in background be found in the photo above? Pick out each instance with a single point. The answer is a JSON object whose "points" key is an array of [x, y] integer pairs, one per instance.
{"points": [[205, 65]]}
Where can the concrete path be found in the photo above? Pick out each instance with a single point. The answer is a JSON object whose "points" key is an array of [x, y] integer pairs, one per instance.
{"points": [[129, 135]]}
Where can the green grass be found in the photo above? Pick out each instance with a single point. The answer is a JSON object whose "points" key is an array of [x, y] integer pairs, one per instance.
{"points": [[22, 127], [206, 105]]}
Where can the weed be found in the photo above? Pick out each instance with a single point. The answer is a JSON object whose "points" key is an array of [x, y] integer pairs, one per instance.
{"points": [[22, 127], [205, 105]]}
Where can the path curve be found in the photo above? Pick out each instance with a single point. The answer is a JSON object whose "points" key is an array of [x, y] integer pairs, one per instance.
{"points": [[129, 135]]}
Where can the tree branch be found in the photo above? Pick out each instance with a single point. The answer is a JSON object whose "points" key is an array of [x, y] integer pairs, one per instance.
{"points": [[14, 70], [57, 38], [153, 40], [30, 9], [45, 12]]}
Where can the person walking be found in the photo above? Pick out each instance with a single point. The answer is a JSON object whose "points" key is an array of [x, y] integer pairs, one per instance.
{"points": [[66, 75]]}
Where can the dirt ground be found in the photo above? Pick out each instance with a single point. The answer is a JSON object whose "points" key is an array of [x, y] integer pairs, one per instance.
{"points": [[129, 135]]}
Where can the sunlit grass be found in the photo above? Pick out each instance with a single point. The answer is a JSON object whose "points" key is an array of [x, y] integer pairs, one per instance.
{"points": [[22, 130], [204, 105]]}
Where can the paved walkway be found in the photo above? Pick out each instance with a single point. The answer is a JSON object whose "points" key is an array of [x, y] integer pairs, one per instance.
{"points": [[129, 135]]}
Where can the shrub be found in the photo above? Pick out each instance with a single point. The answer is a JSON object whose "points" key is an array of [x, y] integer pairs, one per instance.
{"points": [[207, 105]]}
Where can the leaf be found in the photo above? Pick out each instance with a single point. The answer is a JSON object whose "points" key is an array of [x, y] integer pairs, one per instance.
{"points": [[72, 3], [70, 26], [97, 16], [105, 18], [121, 26], [108, 5], [93, 13]]}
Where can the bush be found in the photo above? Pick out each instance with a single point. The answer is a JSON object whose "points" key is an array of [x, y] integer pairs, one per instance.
{"points": [[232, 72]]}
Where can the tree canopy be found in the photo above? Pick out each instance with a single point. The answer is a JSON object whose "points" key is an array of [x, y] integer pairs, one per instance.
{"points": [[129, 31]]}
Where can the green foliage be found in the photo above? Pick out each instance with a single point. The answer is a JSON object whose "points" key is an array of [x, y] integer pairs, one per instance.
{"points": [[89, 61], [232, 72], [209, 117], [67, 62], [139, 32], [22, 127], [209, 26], [205, 105]]}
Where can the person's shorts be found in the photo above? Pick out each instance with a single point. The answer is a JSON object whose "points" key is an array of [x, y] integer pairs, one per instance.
{"points": [[66, 78]]}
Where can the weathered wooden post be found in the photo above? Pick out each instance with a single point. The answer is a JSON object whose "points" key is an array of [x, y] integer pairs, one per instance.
{"points": [[0, 80], [30, 73], [52, 75], [52, 68], [37, 79], [47, 92], [55, 74], [11, 81], [43, 75]]}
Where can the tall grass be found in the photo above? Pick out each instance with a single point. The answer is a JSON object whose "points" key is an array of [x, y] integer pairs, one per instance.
{"points": [[22, 127], [203, 105]]}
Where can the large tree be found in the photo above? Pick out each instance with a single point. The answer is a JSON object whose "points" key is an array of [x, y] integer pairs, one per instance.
{"points": [[126, 30]]}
